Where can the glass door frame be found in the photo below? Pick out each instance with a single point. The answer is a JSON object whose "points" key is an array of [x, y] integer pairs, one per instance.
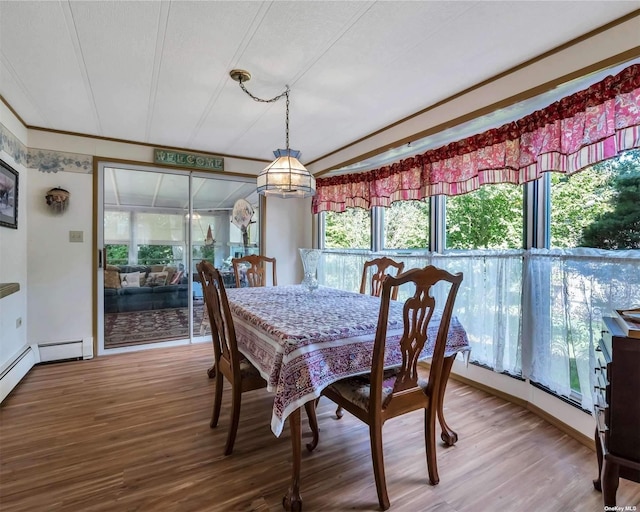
{"points": [[99, 265]]}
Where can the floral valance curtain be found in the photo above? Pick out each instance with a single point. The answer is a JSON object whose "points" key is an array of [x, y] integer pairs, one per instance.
{"points": [[573, 133]]}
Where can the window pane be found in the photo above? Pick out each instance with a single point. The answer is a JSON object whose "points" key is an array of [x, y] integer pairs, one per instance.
{"points": [[117, 254], [164, 227], [350, 229], [595, 208], [598, 207], [406, 225], [488, 218], [117, 226], [160, 255]]}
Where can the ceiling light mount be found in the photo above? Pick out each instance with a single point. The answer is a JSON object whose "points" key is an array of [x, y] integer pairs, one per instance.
{"points": [[240, 75], [285, 177]]}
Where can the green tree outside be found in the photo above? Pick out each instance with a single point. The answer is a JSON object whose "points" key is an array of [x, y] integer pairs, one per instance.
{"points": [[488, 218], [348, 230], [618, 227], [406, 225]]}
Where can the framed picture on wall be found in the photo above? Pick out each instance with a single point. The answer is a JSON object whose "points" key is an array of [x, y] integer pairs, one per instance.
{"points": [[8, 196]]}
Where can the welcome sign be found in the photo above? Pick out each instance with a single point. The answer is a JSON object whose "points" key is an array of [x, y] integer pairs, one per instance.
{"points": [[190, 160]]}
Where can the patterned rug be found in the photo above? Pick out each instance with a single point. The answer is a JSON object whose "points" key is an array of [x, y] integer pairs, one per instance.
{"points": [[141, 327]]}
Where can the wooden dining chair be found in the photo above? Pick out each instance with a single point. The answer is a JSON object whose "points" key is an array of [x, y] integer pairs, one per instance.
{"points": [[229, 363], [256, 272], [380, 269], [386, 393]]}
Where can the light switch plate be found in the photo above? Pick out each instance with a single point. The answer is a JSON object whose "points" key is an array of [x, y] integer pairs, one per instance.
{"points": [[76, 236]]}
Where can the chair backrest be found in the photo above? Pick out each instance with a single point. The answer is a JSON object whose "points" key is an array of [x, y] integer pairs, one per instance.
{"points": [[417, 312], [223, 334], [379, 268], [256, 271]]}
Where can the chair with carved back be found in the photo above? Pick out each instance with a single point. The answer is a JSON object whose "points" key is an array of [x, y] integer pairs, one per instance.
{"points": [[378, 268], [386, 393], [255, 270], [229, 363]]}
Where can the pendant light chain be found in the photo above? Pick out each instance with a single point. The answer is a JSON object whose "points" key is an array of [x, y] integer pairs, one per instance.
{"points": [[272, 100], [287, 122]]}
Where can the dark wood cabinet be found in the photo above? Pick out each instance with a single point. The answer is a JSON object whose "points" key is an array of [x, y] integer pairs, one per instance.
{"points": [[616, 409]]}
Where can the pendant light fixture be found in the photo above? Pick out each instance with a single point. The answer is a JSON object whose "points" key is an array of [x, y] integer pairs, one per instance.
{"points": [[285, 177]]}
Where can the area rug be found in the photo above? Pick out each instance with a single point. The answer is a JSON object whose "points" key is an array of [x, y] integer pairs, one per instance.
{"points": [[142, 327]]}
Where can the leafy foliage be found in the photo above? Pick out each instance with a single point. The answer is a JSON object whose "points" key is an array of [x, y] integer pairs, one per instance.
{"points": [[348, 230], [576, 201], [155, 254], [406, 225], [490, 217], [117, 254], [619, 226]]}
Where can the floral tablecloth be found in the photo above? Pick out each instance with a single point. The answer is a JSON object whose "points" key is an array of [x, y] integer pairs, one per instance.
{"points": [[302, 341]]}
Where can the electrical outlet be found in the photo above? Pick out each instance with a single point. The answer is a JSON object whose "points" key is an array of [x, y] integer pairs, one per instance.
{"points": [[76, 236], [18, 322]]}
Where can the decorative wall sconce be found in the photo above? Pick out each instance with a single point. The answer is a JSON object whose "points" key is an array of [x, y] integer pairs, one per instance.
{"points": [[58, 199]]}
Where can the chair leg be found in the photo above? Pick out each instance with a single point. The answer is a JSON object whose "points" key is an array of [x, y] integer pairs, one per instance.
{"points": [[235, 419], [430, 443], [310, 407], [339, 412], [217, 400], [375, 433]]}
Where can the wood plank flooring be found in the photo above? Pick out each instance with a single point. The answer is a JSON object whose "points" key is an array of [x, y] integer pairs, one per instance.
{"points": [[131, 432]]}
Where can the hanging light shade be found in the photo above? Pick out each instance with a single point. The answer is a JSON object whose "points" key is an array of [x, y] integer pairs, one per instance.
{"points": [[286, 177]]}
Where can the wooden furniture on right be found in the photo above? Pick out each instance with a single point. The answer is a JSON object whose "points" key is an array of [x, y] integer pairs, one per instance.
{"points": [[228, 361], [380, 266], [384, 394], [256, 272], [617, 410]]}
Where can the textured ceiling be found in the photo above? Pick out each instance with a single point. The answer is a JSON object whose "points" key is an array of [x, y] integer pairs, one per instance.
{"points": [[158, 72]]}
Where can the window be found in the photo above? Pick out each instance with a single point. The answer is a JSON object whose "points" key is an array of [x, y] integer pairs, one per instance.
{"points": [[591, 269], [488, 218], [406, 225], [350, 229], [117, 254]]}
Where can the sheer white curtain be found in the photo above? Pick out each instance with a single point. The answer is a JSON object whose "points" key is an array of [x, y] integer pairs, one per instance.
{"points": [[488, 302], [566, 294]]}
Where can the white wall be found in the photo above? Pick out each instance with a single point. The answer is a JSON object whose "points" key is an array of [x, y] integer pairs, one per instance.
{"points": [[13, 255], [60, 272], [13, 269], [288, 224]]}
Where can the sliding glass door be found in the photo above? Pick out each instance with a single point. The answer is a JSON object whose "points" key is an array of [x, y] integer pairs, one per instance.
{"points": [[154, 227]]}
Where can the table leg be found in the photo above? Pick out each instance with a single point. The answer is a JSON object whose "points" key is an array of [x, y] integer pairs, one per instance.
{"points": [[448, 436], [292, 500]]}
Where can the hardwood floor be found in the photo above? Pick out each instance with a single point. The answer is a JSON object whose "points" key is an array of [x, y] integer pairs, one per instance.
{"points": [[131, 432]]}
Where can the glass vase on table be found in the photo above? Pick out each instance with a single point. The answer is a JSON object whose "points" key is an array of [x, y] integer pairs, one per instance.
{"points": [[310, 261]]}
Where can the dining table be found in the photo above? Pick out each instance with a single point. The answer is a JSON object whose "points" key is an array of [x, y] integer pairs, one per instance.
{"points": [[303, 340]]}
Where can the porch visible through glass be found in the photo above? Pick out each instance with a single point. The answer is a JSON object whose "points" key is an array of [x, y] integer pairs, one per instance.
{"points": [[157, 226]]}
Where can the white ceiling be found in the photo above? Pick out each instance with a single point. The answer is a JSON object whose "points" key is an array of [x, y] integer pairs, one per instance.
{"points": [[158, 72]]}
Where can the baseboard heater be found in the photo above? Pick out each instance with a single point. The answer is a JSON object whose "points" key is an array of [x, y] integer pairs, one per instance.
{"points": [[13, 373], [65, 350]]}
